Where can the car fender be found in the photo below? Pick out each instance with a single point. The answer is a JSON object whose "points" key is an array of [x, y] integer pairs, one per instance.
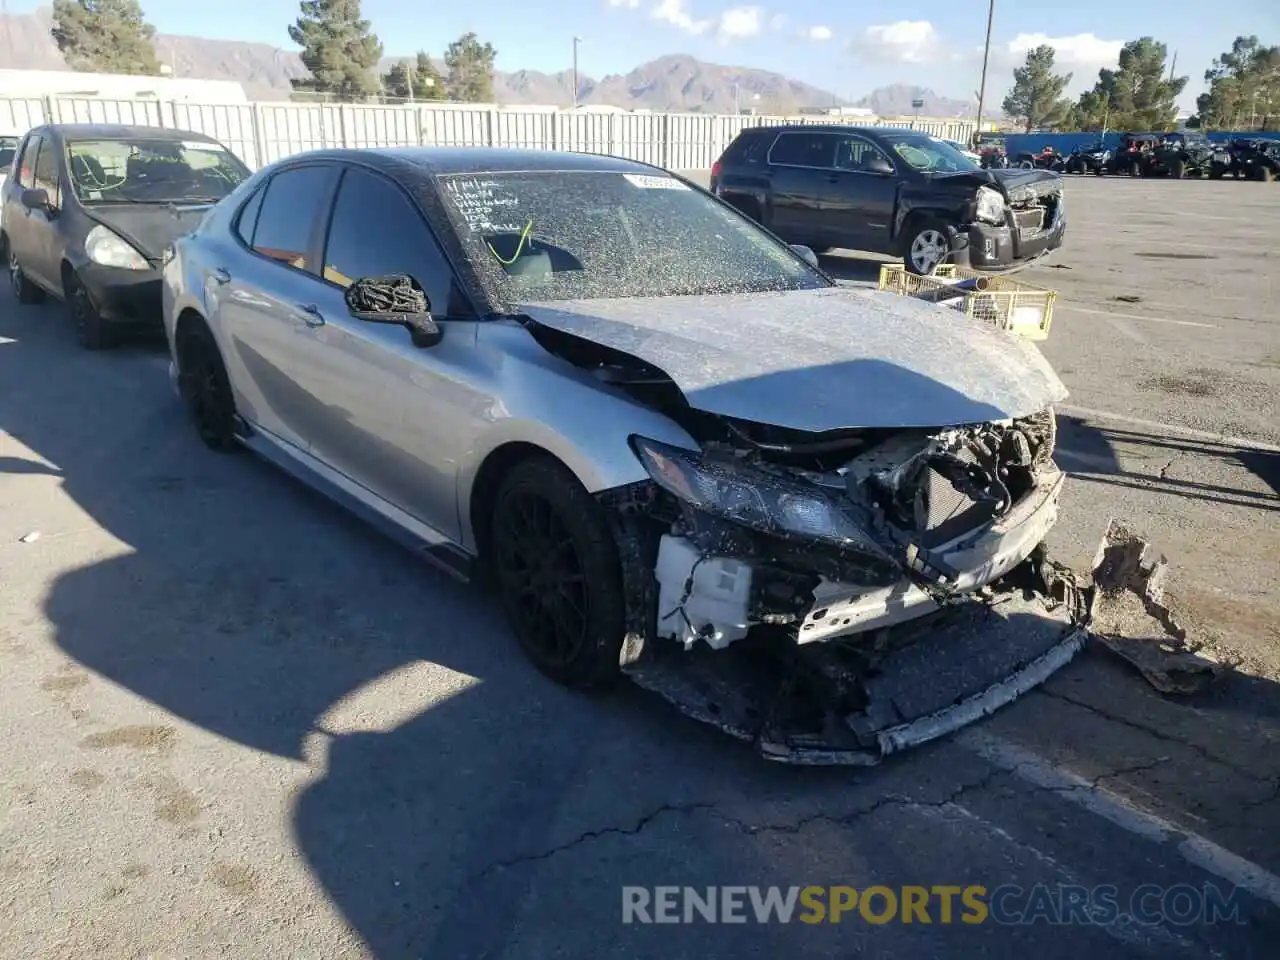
{"points": [[549, 403]]}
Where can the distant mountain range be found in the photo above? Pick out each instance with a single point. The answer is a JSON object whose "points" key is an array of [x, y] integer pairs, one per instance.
{"points": [[671, 83]]}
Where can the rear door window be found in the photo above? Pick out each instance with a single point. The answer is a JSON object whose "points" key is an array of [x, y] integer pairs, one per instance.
{"points": [[287, 218], [804, 150], [248, 218]]}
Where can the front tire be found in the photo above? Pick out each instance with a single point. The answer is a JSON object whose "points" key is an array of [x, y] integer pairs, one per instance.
{"points": [[24, 291], [206, 388], [556, 566], [92, 331], [927, 248], [1177, 170]]}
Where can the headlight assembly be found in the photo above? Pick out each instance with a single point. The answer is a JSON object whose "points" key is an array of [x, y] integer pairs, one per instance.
{"points": [[753, 498], [990, 207], [110, 250]]}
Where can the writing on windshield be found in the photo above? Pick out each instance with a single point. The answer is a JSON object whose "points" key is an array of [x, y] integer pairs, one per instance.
{"points": [[152, 171], [567, 235]]}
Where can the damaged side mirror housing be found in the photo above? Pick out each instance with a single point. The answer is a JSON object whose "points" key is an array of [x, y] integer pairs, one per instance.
{"points": [[805, 253], [397, 299]]}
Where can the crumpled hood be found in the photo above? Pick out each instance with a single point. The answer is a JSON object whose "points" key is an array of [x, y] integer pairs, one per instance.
{"points": [[149, 226], [820, 360]]}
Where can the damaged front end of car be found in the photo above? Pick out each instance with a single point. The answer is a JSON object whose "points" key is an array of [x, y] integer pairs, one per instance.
{"points": [[837, 599]]}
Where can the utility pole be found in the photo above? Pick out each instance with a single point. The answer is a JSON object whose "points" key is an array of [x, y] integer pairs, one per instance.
{"points": [[576, 41], [986, 55]]}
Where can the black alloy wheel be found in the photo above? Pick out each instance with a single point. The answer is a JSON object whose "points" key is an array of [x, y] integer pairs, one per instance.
{"points": [[92, 331], [556, 567], [203, 382]]}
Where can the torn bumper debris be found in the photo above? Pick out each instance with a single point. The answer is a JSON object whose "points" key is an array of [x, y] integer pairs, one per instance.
{"points": [[856, 700]]}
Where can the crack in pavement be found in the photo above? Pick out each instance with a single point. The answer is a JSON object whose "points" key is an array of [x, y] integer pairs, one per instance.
{"points": [[1203, 752], [1164, 471], [798, 826]]}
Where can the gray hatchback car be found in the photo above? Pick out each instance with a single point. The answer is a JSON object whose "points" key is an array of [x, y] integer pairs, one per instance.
{"points": [[654, 423]]}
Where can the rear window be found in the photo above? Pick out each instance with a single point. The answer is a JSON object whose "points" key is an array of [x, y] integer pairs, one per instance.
{"points": [[749, 147]]}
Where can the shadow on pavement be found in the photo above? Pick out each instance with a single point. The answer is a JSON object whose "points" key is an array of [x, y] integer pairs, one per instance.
{"points": [[476, 809], [1094, 454]]}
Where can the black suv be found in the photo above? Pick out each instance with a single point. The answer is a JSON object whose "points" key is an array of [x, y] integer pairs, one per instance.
{"points": [[891, 191]]}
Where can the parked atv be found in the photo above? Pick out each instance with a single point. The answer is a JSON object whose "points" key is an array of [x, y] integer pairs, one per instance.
{"points": [[1255, 159], [1180, 155], [1047, 159], [1133, 153], [992, 154], [1089, 159]]}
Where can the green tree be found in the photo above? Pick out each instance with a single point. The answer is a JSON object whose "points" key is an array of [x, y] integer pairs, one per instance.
{"points": [[1036, 97], [1244, 88], [338, 49], [470, 66], [1139, 94], [105, 36], [396, 82], [428, 84]]}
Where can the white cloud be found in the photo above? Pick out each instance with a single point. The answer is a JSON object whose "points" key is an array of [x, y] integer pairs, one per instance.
{"points": [[739, 23], [629, 4], [674, 13], [819, 33], [1081, 50], [906, 41], [777, 21]]}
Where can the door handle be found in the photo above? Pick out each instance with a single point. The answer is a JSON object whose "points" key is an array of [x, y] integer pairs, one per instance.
{"points": [[222, 275], [311, 315]]}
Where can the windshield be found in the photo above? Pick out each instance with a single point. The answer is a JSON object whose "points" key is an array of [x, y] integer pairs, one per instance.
{"points": [[928, 155], [152, 171], [583, 235]]}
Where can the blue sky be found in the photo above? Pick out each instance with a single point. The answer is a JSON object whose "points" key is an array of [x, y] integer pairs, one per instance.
{"points": [[848, 47]]}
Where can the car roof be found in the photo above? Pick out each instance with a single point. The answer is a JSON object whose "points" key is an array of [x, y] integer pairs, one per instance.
{"points": [[120, 131], [442, 161], [834, 128]]}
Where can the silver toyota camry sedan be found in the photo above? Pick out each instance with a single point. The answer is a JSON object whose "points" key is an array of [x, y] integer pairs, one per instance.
{"points": [[658, 429]]}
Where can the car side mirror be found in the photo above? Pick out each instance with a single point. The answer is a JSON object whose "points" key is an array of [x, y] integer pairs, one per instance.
{"points": [[805, 253], [879, 166], [397, 299], [35, 198]]}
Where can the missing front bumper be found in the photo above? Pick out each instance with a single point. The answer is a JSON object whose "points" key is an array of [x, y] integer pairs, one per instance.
{"points": [[912, 684]]}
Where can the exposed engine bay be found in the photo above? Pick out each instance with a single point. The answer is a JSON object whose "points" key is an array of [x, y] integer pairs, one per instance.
{"points": [[836, 596]]}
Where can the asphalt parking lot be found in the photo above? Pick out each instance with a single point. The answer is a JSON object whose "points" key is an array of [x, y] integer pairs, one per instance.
{"points": [[235, 722]]}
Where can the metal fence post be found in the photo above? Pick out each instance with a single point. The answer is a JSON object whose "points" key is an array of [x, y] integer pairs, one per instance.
{"points": [[664, 141], [259, 137], [417, 124], [491, 127], [50, 114], [342, 125]]}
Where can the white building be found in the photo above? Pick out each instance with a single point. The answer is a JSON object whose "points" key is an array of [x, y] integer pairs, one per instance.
{"points": [[114, 86]]}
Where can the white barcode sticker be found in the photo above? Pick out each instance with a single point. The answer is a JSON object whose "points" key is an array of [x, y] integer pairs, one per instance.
{"points": [[654, 183]]}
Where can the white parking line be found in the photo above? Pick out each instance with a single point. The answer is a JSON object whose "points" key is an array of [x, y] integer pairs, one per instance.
{"points": [[1133, 316], [1220, 438], [1195, 849]]}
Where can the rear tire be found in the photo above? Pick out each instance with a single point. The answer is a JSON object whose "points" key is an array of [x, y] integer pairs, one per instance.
{"points": [[206, 388], [92, 331], [1177, 169], [24, 291], [556, 566]]}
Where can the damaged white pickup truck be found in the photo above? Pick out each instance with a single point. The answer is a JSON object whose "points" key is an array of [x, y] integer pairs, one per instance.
{"points": [[808, 513]]}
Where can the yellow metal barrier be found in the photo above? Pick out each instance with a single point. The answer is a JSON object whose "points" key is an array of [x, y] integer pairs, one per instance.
{"points": [[1017, 307]]}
